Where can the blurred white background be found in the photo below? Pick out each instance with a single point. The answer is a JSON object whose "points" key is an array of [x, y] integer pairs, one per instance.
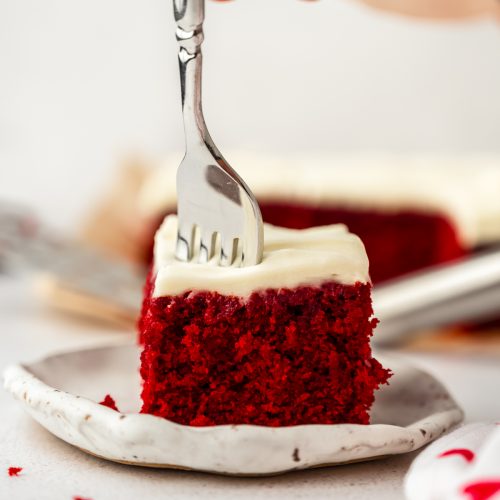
{"points": [[83, 83]]}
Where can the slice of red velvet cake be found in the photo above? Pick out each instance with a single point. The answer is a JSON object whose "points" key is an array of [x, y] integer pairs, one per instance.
{"points": [[282, 343]]}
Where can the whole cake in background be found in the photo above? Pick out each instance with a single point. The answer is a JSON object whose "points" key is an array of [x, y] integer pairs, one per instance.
{"points": [[411, 213], [285, 342]]}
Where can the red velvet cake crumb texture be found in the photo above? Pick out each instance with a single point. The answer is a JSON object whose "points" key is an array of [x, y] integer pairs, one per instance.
{"points": [[109, 402], [279, 357], [14, 471]]}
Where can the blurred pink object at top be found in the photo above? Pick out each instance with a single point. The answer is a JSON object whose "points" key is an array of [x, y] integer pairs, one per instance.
{"points": [[435, 9]]}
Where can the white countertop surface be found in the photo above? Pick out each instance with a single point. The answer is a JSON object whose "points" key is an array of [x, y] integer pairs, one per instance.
{"points": [[54, 470]]}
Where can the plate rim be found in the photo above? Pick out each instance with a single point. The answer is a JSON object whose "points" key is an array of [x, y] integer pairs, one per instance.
{"points": [[43, 402]]}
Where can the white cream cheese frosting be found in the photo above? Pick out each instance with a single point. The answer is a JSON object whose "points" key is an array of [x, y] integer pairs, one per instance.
{"points": [[465, 190], [291, 258]]}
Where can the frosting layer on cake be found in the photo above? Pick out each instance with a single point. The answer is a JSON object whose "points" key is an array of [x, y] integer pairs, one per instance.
{"points": [[291, 258]]}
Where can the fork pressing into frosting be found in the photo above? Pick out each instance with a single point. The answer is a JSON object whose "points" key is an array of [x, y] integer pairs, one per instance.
{"points": [[218, 215]]}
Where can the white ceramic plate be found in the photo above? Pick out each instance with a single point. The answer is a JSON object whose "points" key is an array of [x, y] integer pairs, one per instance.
{"points": [[61, 391]]}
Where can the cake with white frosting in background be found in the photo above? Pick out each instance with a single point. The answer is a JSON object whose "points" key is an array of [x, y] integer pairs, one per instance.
{"points": [[284, 342], [411, 213]]}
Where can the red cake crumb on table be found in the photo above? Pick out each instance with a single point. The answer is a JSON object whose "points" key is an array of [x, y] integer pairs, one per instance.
{"points": [[109, 402], [14, 471], [81, 498], [276, 358]]}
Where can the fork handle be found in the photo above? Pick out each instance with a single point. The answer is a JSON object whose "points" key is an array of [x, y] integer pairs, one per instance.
{"points": [[189, 16]]}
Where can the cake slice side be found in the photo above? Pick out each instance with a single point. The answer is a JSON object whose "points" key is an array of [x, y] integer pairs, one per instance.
{"points": [[277, 356]]}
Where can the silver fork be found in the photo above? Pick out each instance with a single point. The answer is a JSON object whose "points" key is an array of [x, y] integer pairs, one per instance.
{"points": [[216, 210]]}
